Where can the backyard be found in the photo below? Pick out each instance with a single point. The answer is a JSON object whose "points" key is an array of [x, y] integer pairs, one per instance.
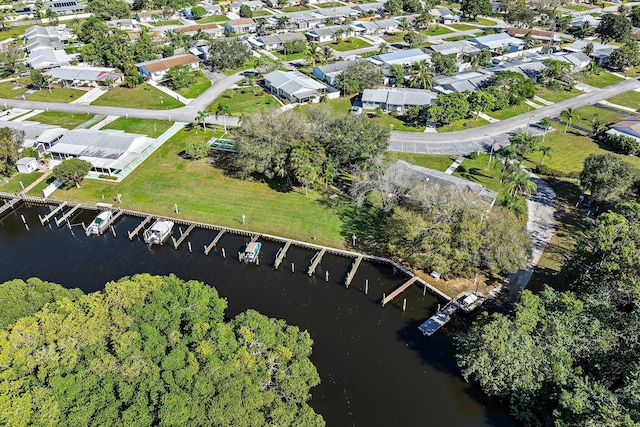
{"points": [[588, 113], [12, 185], [12, 88], [213, 18], [242, 101], [510, 112], [65, 120], [440, 163], [141, 96]]}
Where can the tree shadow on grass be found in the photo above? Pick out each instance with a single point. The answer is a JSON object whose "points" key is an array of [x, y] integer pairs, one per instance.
{"points": [[471, 174]]}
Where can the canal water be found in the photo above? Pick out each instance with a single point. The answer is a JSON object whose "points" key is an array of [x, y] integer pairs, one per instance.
{"points": [[375, 366]]}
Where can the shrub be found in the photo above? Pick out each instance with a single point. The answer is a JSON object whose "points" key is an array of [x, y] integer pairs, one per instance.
{"points": [[473, 155], [623, 144], [105, 176]]}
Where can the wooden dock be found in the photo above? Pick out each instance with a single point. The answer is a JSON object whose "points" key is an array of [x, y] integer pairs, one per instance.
{"points": [[352, 272], [113, 220], [135, 232], [68, 215], [177, 243], [9, 205], [214, 242], [52, 213], [282, 252], [439, 319], [315, 261], [399, 290], [254, 238]]}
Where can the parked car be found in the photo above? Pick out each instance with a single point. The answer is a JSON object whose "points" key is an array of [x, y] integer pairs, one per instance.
{"points": [[5, 112], [355, 110]]}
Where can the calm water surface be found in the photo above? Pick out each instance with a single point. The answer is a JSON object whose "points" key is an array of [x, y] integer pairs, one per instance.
{"points": [[376, 368]]}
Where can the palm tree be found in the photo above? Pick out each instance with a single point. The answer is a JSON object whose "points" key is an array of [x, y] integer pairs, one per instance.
{"points": [[546, 151], [327, 54], [383, 48], [340, 32], [508, 154], [252, 78], [200, 118], [546, 123], [423, 75], [405, 25], [313, 53], [222, 109], [571, 115], [518, 182]]}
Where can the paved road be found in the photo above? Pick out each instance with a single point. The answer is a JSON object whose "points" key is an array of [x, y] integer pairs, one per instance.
{"points": [[463, 142]]}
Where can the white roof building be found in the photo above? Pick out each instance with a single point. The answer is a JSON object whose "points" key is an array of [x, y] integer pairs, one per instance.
{"points": [[294, 86], [396, 99], [497, 41]]}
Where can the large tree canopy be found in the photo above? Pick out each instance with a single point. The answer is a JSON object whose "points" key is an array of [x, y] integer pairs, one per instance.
{"points": [[10, 142], [149, 351]]}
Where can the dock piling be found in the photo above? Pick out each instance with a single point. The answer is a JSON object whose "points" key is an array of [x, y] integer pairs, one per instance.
{"points": [[366, 286], [224, 253], [352, 272], [282, 252], [326, 276], [135, 232], [113, 230], [293, 268], [404, 305], [214, 242], [183, 235], [189, 243]]}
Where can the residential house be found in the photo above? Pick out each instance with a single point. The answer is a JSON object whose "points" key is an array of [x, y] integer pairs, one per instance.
{"points": [[546, 37], [629, 126], [276, 41], [578, 60], [396, 99], [109, 151], [294, 86], [336, 14], [400, 57], [317, 1], [27, 165], [213, 9], [151, 16], [461, 49], [44, 58], [211, 29], [600, 52], [462, 81], [73, 75], [379, 26], [157, 68], [326, 34], [329, 72], [370, 8], [444, 15], [240, 26], [530, 69], [405, 175], [582, 19], [497, 42], [50, 37], [66, 7], [275, 4], [25, 11], [252, 4], [299, 20], [35, 133], [125, 24]]}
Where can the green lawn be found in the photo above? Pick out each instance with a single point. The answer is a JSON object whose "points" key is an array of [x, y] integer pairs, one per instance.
{"points": [[169, 22], [206, 194], [259, 13], [329, 5], [599, 80], [479, 170], [202, 83], [13, 185], [457, 38], [142, 96], [65, 120], [346, 45], [151, 128], [436, 31], [71, 49], [294, 8], [552, 95], [13, 89], [246, 66], [632, 72], [213, 18], [56, 95], [482, 21], [440, 163], [14, 32], [387, 120], [290, 56], [397, 38], [338, 107], [587, 114], [463, 124], [463, 27], [510, 112], [577, 7], [630, 99], [244, 101]]}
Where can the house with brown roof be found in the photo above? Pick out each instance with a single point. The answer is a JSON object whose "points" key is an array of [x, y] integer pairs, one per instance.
{"points": [[245, 25], [548, 37], [211, 29], [157, 68], [629, 126]]}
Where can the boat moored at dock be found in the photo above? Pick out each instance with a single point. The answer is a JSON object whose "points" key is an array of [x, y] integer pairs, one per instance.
{"points": [[251, 252], [159, 232], [100, 223]]}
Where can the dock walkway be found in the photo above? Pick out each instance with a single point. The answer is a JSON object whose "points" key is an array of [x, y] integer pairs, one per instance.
{"points": [[439, 319], [68, 214], [282, 252], [399, 290], [9, 205], [315, 261]]}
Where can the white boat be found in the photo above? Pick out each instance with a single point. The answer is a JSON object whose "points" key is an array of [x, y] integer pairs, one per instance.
{"points": [[251, 252], [469, 301], [158, 233], [99, 224]]}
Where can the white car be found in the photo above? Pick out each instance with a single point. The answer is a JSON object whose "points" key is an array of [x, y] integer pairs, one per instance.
{"points": [[355, 110]]}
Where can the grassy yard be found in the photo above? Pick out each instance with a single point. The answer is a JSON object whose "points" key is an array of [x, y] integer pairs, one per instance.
{"points": [[215, 198], [387, 120], [338, 107], [510, 112], [14, 32], [483, 172], [599, 80], [346, 45], [577, 7], [142, 96], [552, 95], [12, 185], [632, 72], [169, 22], [12, 89], [151, 128], [396, 38], [213, 18], [457, 38], [244, 101], [294, 8], [435, 31], [259, 13], [290, 56], [463, 27], [483, 21], [65, 120], [56, 95], [587, 114], [463, 124], [246, 66], [330, 5], [629, 99], [202, 83], [437, 162]]}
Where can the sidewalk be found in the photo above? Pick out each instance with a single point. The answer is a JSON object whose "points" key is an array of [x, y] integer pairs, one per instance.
{"points": [[542, 101], [171, 93], [618, 106], [90, 96], [488, 118], [533, 104], [28, 115], [454, 165]]}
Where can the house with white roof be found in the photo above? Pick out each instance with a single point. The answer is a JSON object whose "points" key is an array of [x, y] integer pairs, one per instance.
{"points": [[51, 37], [276, 41], [330, 72], [337, 13], [125, 24], [582, 19], [294, 86], [274, 4], [396, 99], [36, 134], [444, 15], [326, 34], [379, 26], [400, 57], [370, 8], [459, 82], [211, 29], [244, 25], [251, 4], [461, 48], [600, 51], [66, 7], [45, 58], [578, 60], [497, 41], [73, 75]]}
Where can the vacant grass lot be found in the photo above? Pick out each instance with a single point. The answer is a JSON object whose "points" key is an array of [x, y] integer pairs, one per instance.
{"points": [[149, 127], [13, 185], [244, 101], [482, 21], [510, 112], [440, 163], [483, 172], [201, 84], [290, 56], [213, 18], [330, 5], [463, 124], [556, 95], [294, 8], [346, 45], [629, 99], [17, 32], [457, 38], [589, 112], [204, 193], [338, 107], [12, 89], [142, 96], [259, 13], [600, 80], [463, 27], [56, 95], [170, 22], [387, 120], [435, 31], [577, 7], [65, 120]]}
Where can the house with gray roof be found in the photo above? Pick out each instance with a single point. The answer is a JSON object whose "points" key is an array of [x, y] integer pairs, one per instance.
{"points": [[329, 72], [108, 151], [629, 126], [498, 41], [406, 175], [444, 15], [66, 7], [326, 34], [125, 24], [600, 51], [402, 57], [46, 58], [251, 4], [459, 48], [276, 41], [578, 60], [379, 26], [396, 99], [244, 25], [374, 8], [294, 86], [35, 133], [300, 20], [459, 82], [51, 37], [337, 13], [530, 69], [73, 75]]}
